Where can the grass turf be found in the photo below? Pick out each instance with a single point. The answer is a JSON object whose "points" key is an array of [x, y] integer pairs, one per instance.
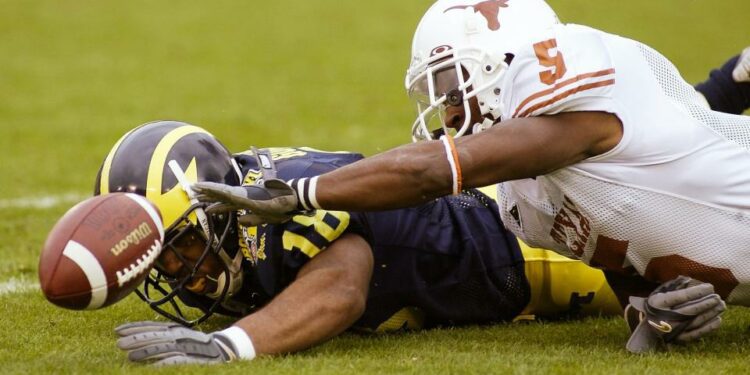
{"points": [[74, 76]]}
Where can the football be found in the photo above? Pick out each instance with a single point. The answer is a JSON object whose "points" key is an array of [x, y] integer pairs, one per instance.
{"points": [[100, 251]]}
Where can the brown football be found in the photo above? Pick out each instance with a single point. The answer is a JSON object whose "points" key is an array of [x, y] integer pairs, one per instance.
{"points": [[100, 251]]}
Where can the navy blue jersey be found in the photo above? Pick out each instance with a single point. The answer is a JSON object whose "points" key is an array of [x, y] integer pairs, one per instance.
{"points": [[446, 262]]}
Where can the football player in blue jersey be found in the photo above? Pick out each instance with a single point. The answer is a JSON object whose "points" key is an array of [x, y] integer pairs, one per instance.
{"points": [[447, 262]]}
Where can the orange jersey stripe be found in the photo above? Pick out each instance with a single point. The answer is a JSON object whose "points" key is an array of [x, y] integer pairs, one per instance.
{"points": [[566, 94], [559, 85]]}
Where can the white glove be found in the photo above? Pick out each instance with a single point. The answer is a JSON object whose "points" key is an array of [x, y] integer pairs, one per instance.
{"points": [[679, 311], [741, 72], [172, 344]]}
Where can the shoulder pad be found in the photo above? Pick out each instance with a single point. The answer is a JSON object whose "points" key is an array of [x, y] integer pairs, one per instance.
{"points": [[568, 69]]}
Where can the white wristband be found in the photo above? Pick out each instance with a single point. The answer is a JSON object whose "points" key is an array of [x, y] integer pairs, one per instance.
{"points": [[313, 186], [305, 190], [241, 341]]}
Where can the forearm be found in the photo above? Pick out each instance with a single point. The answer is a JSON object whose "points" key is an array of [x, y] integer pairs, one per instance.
{"points": [[534, 146], [518, 148], [328, 295], [410, 175], [293, 321]]}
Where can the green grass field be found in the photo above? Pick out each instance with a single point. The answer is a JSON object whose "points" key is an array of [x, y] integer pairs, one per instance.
{"points": [[74, 76]]}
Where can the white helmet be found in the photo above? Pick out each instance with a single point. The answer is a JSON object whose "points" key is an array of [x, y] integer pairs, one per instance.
{"points": [[459, 52]]}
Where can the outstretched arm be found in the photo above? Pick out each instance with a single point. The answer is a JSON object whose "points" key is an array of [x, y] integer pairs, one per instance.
{"points": [[517, 148], [419, 172]]}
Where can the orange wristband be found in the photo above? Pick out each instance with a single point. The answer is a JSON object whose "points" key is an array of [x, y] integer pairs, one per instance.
{"points": [[452, 155]]}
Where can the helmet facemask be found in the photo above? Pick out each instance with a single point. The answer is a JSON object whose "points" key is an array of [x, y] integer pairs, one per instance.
{"points": [[195, 221], [454, 78], [475, 40], [162, 288]]}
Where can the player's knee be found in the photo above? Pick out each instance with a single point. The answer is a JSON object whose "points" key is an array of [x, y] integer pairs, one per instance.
{"points": [[347, 299], [351, 302]]}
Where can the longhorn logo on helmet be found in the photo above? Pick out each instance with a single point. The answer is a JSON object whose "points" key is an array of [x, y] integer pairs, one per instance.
{"points": [[489, 9]]}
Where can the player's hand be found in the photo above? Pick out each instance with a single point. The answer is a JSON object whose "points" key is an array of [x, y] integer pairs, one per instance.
{"points": [[172, 344], [678, 311], [741, 72], [273, 201]]}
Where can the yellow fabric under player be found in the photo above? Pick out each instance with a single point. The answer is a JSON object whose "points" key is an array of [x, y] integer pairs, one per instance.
{"points": [[561, 285]]}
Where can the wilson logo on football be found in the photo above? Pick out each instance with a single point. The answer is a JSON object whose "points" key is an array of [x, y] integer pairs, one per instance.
{"points": [[133, 238], [489, 9]]}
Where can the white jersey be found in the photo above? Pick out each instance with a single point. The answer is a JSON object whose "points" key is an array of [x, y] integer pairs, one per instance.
{"points": [[672, 198]]}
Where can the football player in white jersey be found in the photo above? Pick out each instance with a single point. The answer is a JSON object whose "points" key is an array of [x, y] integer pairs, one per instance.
{"points": [[600, 149]]}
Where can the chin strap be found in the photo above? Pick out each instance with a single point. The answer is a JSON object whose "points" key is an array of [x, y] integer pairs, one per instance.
{"points": [[480, 127], [233, 265], [264, 159], [234, 273]]}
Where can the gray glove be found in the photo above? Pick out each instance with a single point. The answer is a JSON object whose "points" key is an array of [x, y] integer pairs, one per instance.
{"points": [[678, 311], [172, 344], [271, 202]]}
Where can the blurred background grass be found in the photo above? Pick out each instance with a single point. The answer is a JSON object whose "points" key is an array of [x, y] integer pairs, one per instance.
{"points": [[75, 76]]}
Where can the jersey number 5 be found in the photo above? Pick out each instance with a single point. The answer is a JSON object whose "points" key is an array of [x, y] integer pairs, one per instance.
{"points": [[556, 62]]}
